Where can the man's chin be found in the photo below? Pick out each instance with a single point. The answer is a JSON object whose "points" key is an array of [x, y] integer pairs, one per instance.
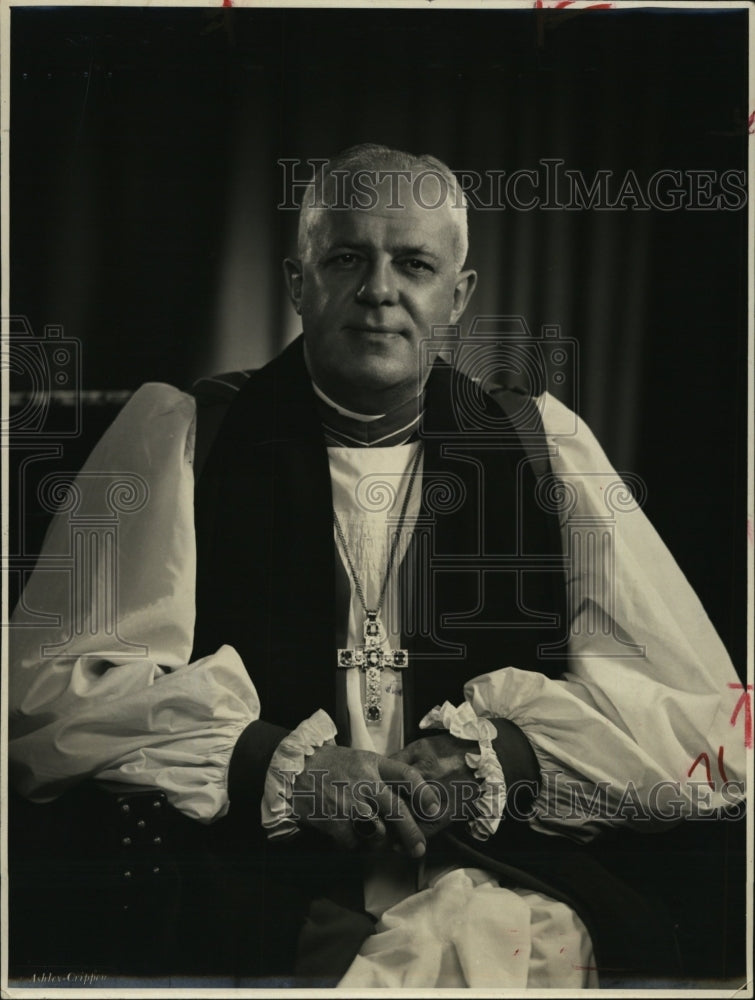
{"points": [[379, 369], [379, 386], [382, 358]]}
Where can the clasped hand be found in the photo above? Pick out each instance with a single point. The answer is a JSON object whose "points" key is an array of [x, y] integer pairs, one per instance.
{"points": [[412, 795]]}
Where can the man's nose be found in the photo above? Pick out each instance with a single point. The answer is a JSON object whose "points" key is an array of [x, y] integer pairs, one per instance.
{"points": [[379, 286]]}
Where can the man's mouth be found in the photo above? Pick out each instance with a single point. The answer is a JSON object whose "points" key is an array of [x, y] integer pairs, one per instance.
{"points": [[367, 328]]}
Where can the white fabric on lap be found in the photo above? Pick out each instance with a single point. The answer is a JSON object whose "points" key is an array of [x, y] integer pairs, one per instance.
{"points": [[464, 930]]}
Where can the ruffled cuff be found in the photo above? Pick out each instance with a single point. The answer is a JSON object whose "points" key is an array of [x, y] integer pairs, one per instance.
{"points": [[287, 762], [465, 724]]}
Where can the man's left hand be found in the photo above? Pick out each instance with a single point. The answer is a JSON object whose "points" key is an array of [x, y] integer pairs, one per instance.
{"points": [[440, 760]]}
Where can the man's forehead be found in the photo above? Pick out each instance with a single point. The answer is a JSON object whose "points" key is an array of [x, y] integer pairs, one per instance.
{"points": [[389, 183], [394, 208], [393, 226]]}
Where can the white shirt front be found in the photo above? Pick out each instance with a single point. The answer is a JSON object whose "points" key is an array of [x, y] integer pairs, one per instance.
{"points": [[369, 486]]}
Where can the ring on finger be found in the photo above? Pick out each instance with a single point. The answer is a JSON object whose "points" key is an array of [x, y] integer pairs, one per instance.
{"points": [[365, 827]]}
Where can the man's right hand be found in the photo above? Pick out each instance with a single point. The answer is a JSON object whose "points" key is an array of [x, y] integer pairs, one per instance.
{"points": [[339, 785]]}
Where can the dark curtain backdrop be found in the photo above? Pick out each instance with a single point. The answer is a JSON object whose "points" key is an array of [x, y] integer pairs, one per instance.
{"points": [[144, 194]]}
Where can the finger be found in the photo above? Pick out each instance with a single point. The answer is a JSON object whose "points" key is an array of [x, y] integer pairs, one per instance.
{"points": [[405, 755], [400, 822], [424, 797], [345, 834]]}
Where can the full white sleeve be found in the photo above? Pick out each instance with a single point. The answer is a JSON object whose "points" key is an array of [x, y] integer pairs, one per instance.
{"points": [[644, 725], [101, 682]]}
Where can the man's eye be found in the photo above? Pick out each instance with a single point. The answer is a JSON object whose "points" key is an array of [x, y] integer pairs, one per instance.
{"points": [[415, 264], [344, 259]]}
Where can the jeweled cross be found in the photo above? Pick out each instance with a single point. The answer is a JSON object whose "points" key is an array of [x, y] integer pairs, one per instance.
{"points": [[372, 658]]}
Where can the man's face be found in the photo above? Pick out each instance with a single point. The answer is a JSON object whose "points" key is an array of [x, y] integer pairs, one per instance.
{"points": [[370, 288]]}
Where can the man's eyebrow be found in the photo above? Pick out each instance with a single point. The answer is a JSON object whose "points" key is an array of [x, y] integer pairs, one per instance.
{"points": [[400, 250], [415, 251]]}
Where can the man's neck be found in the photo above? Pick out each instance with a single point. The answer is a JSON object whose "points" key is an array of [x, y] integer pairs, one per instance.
{"points": [[367, 405], [345, 427], [342, 410]]}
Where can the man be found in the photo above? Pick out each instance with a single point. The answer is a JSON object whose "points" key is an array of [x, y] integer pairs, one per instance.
{"points": [[328, 560]]}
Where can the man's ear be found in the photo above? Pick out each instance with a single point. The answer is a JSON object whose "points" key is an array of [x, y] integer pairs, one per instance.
{"points": [[465, 285], [293, 274]]}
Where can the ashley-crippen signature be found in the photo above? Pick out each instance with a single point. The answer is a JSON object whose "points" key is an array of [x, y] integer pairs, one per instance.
{"points": [[79, 978]]}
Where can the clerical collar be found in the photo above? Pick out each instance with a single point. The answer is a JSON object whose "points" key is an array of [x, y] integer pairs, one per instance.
{"points": [[341, 410], [347, 429]]}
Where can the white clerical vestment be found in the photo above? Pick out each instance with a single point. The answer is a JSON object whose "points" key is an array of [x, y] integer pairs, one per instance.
{"points": [[461, 928]]}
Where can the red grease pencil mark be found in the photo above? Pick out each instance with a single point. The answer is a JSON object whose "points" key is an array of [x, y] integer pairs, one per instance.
{"points": [[744, 702], [563, 4], [751, 123], [721, 764], [228, 3], [704, 758]]}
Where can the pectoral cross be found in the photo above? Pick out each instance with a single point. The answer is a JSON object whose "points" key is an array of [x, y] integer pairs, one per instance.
{"points": [[371, 659]]}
